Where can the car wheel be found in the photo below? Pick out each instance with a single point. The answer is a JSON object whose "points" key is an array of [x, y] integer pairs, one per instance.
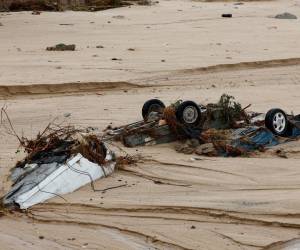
{"points": [[188, 113], [153, 105], [276, 121]]}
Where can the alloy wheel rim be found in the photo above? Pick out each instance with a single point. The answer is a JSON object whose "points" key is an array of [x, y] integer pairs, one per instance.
{"points": [[190, 114], [279, 122]]}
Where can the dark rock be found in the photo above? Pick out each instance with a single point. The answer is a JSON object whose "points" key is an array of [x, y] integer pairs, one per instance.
{"points": [[286, 15], [62, 47], [119, 17], [227, 15]]}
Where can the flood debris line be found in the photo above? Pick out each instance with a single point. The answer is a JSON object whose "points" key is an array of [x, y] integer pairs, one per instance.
{"points": [[58, 161], [224, 128], [146, 2], [28, 5], [62, 47], [61, 5]]}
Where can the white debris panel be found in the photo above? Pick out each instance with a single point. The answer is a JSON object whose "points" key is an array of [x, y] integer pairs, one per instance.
{"points": [[42, 182]]}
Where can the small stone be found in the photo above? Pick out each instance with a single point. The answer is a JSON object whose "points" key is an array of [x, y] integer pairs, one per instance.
{"points": [[227, 15], [131, 49], [116, 59], [67, 115], [193, 227], [99, 47], [286, 15], [62, 47], [119, 17], [41, 237]]}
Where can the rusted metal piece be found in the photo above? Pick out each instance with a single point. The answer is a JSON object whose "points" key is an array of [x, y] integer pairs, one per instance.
{"points": [[150, 136]]}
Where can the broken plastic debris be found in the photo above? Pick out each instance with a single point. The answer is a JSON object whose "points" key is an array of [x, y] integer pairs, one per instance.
{"points": [[50, 180]]}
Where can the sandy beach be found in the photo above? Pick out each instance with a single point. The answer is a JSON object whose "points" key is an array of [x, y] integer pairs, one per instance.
{"points": [[171, 50]]}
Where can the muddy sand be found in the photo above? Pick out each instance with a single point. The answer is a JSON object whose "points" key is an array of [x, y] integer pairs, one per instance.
{"points": [[181, 49]]}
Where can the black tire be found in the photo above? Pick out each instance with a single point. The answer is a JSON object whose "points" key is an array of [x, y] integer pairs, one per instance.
{"points": [[276, 121], [153, 105], [188, 113]]}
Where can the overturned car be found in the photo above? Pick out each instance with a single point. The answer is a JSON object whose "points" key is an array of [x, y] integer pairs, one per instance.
{"points": [[189, 113], [228, 127]]}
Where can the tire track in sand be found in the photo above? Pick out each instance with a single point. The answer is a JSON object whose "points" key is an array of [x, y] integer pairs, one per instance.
{"points": [[73, 88], [244, 66], [219, 68], [12, 91]]}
